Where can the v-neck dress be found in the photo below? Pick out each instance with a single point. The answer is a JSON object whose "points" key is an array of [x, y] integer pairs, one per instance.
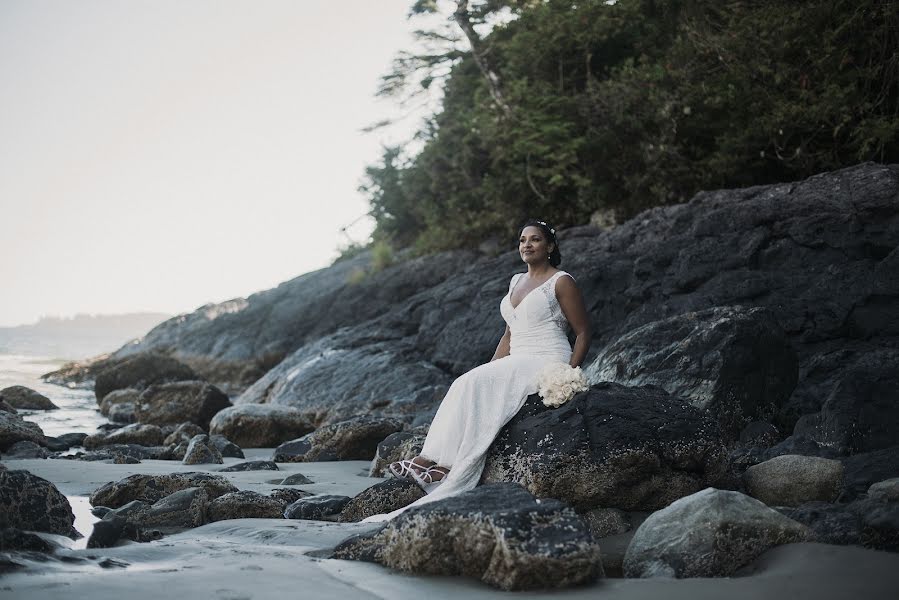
{"points": [[479, 403]]}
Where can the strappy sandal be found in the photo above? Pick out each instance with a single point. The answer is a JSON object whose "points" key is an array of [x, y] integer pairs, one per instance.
{"points": [[402, 469], [426, 481]]}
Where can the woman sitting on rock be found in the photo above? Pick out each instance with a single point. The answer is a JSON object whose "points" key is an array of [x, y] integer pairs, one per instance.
{"points": [[538, 309]]}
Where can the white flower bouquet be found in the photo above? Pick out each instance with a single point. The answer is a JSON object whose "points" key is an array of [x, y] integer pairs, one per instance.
{"points": [[557, 383]]}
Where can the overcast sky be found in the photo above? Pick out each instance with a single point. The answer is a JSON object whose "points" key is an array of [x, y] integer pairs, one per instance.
{"points": [[161, 154]]}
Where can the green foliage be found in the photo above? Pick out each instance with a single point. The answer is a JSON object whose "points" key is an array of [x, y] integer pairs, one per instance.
{"points": [[381, 256], [617, 107]]}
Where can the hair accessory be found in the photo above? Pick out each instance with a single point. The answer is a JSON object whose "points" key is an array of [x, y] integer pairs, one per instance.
{"points": [[551, 230]]}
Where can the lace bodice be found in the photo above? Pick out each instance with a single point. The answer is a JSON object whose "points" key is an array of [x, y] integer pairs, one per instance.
{"points": [[537, 324]]}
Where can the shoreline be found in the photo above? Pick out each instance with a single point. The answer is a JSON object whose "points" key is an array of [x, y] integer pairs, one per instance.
{"points": [[213, 560]]}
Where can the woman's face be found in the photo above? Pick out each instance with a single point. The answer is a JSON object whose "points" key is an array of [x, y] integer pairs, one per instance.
{"points": [[533, 246]]}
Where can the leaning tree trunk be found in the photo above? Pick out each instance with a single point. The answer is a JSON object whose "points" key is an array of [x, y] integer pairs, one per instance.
{"points": [[478, 50]]}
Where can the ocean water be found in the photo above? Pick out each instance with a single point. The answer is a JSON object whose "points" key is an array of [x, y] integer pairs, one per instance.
{"points": [[78, 410]]}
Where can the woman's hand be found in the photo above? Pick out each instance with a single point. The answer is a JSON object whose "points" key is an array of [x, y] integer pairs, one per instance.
{"points": [[572, 303]]}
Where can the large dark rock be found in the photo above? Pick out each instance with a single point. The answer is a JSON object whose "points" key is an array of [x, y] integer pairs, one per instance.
{"points": [[497, 533], [13, 428], [19, 396], [16, 540], [732, 361], [31, 502], [140, 371], [711, 533], [353, 439], [634, 448], [260, 425], [174, 403], [151, 488]]}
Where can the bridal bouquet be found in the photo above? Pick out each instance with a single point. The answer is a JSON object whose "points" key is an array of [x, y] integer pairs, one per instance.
{"points": [[557, 383]]}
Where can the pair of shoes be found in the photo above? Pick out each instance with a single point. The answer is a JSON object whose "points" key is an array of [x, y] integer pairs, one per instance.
{"points": [[403, 469], [426, 481]]}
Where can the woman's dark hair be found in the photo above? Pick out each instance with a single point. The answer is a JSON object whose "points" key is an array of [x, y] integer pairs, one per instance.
{"points": [[555, 257]]}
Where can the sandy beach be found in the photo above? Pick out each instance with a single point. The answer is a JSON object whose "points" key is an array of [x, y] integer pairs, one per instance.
{"points": [[245, 559]]}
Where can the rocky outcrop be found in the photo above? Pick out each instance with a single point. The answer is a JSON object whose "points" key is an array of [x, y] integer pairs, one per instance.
{"points": [[139, 372], [711, 533], [819, 254], [260, 425], [151, 488], [732, 361], [381, 498], [33, 503], [26, 449], [863, 469], [497, 533], [353, 439], [19, 396], [13, 428], [633, 448], [174, 403], [791, 480]]}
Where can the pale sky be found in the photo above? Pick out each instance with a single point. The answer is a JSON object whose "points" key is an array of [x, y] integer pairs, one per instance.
{"points": [[156, 155]]}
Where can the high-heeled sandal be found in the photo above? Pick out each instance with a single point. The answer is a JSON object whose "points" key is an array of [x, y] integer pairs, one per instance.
{"points": [[426, 481], [402, 469]]}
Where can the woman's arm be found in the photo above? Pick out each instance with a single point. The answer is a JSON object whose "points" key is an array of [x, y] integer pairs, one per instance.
{"points": [[572, 303], [502, 349]]}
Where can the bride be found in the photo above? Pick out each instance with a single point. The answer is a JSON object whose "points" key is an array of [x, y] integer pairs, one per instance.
{"points": [[539, 307]]}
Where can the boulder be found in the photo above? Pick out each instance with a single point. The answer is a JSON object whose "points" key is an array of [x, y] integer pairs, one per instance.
{"points": [[201, 450], [126, 397], [353, 439], [174, 403], [13, 539], [396, 446], [135, 433], [732, 361], [14, 428], [150, 488], [140, 371], [33, 503], [260, 425], [226, 446], [381, 498], [497, 533], [65, 441], [4, 407], [316, 507], [251, 465], [295, 479], [185, 508], [633, 448], [791, 480], [245, 505], [711, 533], [887, 490], [26, 449], [19, 396], [184, 432]]}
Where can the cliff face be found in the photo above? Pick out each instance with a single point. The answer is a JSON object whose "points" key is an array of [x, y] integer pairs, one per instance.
{"points": [[820, 254]]}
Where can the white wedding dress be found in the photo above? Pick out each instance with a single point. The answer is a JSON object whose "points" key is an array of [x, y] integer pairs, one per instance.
{"points": [[480, 402]]}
